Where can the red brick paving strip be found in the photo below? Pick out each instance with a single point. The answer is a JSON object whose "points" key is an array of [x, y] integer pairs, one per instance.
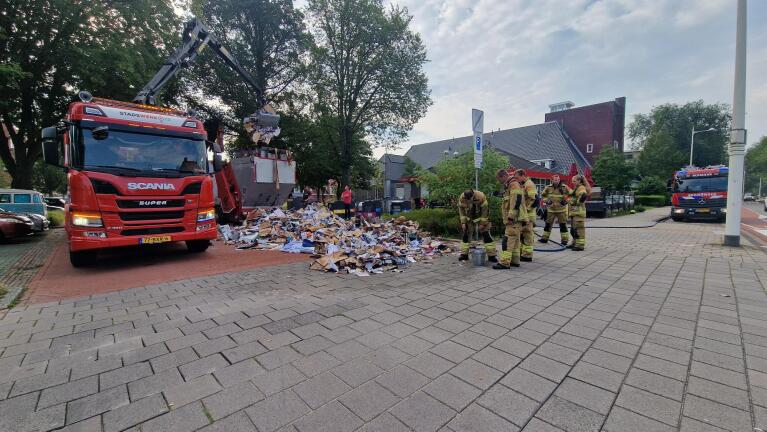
{"points": [[135, 267]]}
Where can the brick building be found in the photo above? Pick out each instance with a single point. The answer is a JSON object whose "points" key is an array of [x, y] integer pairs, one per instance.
{"points": [[592, 127]]}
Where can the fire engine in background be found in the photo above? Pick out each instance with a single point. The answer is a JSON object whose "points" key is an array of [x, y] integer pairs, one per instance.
{"points": [[140, 174], [700, 194]]}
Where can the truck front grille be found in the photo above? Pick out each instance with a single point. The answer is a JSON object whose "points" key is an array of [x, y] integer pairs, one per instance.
{"points": [[702, 202], [153, 215]]}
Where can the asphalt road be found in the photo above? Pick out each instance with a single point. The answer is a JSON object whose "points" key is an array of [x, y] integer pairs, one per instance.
{"points": [[754, 222]]}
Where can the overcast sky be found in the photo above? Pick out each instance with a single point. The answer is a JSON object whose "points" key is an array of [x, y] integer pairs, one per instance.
{"points": [[512, 58]]}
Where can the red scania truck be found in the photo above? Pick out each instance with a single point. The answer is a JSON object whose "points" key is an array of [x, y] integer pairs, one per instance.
{"points": [[700, 194], [140, 174]]}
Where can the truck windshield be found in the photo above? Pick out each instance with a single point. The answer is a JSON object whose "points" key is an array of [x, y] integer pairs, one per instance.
{"points": [[705, 184], [139, 152]]}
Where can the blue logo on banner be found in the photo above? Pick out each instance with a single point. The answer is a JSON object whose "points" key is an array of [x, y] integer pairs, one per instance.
{"points": [[479, 143]]}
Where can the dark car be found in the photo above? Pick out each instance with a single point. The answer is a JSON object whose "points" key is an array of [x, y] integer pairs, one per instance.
{"points": [[14, 225], [55, 201]]}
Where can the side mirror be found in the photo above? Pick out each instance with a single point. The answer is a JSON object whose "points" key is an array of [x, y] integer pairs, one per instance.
{"points": [[100, 133], [218, 164], [51, 146]]}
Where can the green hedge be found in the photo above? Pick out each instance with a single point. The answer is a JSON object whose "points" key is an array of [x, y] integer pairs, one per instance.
{"points": [[56, 217], [445, 222], [650, 200]]}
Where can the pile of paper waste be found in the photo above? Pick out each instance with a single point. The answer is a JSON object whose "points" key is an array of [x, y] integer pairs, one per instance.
{"points": [[337, 244]]}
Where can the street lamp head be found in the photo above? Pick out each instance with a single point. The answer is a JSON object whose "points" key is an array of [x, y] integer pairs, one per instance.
{"points": [[711, 130]]}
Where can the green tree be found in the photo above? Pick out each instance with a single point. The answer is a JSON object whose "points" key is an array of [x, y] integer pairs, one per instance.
{"points": [[652, 186], [660, 157], [451, 176], [611, 171], [756, 166], [49, 179], [411, 168], [367, 72], [678, 121], [270, 40], [51, 47]]}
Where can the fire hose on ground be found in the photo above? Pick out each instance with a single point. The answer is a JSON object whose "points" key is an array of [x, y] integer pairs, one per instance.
{"points": [[562, 246]]}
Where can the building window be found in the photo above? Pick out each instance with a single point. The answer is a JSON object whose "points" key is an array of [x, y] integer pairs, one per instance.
{"points": [[589, 148], [546, 163], [616, 144]]}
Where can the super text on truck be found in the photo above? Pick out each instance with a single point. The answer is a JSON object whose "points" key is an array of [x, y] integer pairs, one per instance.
{"points": [[700, 194]]}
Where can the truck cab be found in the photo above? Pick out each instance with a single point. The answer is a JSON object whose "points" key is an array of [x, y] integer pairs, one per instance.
{"points": [[700, 194], [137, 174]]}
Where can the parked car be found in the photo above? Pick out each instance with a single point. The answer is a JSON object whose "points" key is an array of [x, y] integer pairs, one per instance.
{"points": [[369, 210], [55, 201], [748, 196], [23, 201], [603, 203], [765, 203], [40, 223], [14, 225]]}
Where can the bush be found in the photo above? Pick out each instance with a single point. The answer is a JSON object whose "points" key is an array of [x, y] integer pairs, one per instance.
{"points": [[639, 208], [650, 200], [439, 222], [56, 217], [651, 186]]}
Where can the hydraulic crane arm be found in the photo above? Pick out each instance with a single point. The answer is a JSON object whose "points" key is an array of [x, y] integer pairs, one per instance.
{"points": [[195, 38]]}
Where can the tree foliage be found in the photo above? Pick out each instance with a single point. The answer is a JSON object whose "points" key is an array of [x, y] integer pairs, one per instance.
{"points": [[756, 165], [660, 157], [49, 179], [367, 71], [451, 176], [611, 171], [652, 186], [677, 121], [51, 47], [270, 40], [411, 168]]}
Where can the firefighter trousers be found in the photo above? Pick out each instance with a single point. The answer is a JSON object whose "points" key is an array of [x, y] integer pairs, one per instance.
{"points": [[510, 247], [561, 218], [579, 232], [484, 232], [527, 239]]}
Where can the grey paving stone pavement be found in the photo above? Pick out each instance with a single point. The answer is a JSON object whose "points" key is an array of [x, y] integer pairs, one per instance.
{"points": [[658, 329]]}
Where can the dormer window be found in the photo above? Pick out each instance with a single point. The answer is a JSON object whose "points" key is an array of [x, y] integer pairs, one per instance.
{"points": [[589, 148]]}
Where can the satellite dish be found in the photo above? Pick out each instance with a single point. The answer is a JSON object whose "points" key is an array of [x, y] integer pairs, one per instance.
{"points": [[85, 96]]}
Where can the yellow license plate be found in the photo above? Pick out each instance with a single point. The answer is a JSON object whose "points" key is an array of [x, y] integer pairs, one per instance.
{"points": [[703, 210], [154, 240]]}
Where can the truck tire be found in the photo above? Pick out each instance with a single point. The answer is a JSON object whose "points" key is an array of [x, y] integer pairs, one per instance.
{"points": [[83, 258], [196, 246]]}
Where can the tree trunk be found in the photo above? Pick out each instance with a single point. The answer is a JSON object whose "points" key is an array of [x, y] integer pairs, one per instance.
{"points": [[22, 178], [346, 156]]}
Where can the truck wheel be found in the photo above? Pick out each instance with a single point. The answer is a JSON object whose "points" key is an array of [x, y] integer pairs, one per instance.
{"points": [[197, 246], [83, 258]]}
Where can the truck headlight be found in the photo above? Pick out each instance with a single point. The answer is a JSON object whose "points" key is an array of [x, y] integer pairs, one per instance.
{"points": [[206, 215], [678, 211], [92, 220], [724, 210]]}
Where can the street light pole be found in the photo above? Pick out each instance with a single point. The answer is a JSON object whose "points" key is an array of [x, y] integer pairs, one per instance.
{"points": [[692, 139], [737, 147]]}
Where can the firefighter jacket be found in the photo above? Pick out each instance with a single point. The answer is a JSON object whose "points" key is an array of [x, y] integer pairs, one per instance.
{"points": [[578, 202], [531, 193], [474, 210], [513, 207], [557, 195]]}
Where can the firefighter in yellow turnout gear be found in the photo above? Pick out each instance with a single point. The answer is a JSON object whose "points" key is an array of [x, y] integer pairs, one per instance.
{"points": [[555, 196], [578, 211], [514, 214], [531, 198], [473, 210]]}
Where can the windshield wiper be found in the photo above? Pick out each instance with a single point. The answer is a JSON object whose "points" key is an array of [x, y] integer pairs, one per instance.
{"points": [[178, 170], [114, 167]]}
